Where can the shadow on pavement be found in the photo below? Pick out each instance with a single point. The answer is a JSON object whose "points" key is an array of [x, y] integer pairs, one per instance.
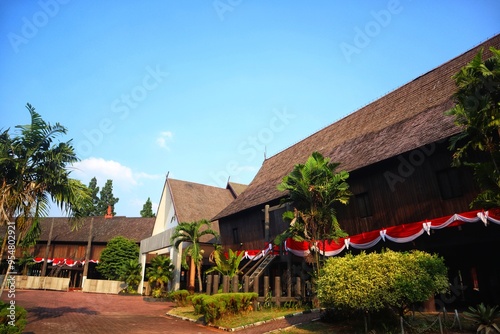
{"points": [[39, 313]]}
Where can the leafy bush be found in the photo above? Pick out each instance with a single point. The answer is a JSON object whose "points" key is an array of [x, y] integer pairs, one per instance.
{"points": [[180, 297], [7, 315], [160, 272], [217, 306], [485, 317], [197, 301], [372, 282], [115, 256], [132, 275]]}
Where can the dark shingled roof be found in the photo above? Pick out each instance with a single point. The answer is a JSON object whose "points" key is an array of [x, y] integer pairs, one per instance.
{"points": [[103, 229], [407, 118]]}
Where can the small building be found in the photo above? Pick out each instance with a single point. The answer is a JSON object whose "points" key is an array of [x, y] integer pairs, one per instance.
{"points": [[183, 201]]}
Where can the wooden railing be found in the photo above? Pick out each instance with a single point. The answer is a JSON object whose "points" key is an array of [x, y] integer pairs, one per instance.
{"points": [[293, 293]]}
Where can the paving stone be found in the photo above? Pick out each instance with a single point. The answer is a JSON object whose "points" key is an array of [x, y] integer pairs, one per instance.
{"points": [[57, 312]]}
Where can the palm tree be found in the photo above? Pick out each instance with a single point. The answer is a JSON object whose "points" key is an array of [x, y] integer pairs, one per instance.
{"points": [[314, 189], [191, 233], [227, 266], [477, 112], [160, 272], [33, 173], [132, 274]]}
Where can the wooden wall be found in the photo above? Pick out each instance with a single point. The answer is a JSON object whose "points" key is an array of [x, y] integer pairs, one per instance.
{"points": [[405, 189], [400, 190], [69, 251]]}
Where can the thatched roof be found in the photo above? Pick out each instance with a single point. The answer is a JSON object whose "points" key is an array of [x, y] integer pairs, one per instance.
{"points": [[194, 201], [407, 118], [103, 229]]}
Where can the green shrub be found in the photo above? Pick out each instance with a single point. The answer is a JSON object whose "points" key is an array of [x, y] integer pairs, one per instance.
{"points": [[372, 282], [484, 316], [180, 297], [213, 308], [217, 306], [197, 301], [9, 324]]}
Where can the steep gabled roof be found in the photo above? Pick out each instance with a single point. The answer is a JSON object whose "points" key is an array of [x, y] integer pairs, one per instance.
{"points": [[103, 229], [194, 201], [236, 188], [406, 118]]}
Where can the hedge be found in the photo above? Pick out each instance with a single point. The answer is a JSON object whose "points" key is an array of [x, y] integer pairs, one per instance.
{"points": [[217, 306]]}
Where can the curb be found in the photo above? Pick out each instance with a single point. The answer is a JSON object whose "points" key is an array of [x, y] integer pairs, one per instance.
{"points": [[255, 324]]}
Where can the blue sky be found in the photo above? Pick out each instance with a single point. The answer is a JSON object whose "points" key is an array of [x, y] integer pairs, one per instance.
{"points": [[203, 90]]}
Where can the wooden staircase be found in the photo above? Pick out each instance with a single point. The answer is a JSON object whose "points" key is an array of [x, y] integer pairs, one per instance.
{"points": [[258, 268]]}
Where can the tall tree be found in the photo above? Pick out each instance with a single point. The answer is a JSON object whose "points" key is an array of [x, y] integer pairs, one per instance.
{"points": [[314, 189], [477, 112], [34, 173], [147, 209], [90, 209], [191, 233], [107, 199]]}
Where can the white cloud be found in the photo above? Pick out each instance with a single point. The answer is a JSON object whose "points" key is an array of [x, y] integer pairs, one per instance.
{"points": [[123, 177], [164, 139]]}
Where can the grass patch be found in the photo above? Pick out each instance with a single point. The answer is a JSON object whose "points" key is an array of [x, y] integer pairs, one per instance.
{"points": [[340, 326], [317, 327], [238, 320]]}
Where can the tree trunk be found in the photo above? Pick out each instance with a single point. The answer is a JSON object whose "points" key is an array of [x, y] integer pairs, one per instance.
{"points": [[87, 253], [200, 285], [47, 250], [192, 273]]}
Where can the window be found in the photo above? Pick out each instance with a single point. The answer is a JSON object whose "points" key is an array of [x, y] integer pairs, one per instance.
{"points": [[449, 183], [363, 205], [236, 236]]}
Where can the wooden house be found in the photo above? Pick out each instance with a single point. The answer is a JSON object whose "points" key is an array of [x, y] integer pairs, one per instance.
{"points": [[396, 151], [183, 201], [65, 250]]}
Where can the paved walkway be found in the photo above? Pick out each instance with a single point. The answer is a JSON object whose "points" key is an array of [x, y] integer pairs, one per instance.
{"points": [[76, 312]]}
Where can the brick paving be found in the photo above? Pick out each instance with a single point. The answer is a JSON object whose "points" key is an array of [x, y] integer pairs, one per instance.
{"points": [[57, 312]]}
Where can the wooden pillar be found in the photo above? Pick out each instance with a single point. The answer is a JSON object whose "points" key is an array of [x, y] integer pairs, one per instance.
{"points": [[266, 286], [225, 284], [209, 284], [47, 250], [256, 285], [256, 290], [298, 287], [235, 282], [216, 284], [87, 252], [266, 223], [289, 275], [246, 283], [277, 290]]}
